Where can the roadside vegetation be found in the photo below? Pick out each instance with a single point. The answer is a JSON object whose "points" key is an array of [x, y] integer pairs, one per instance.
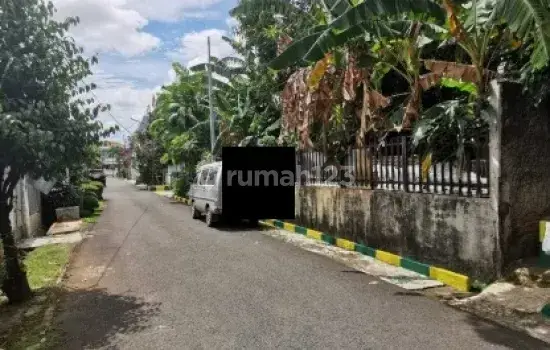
{"points": [[313, 74], [48, 119], [27, 326], [94, 216], [323, 74]]}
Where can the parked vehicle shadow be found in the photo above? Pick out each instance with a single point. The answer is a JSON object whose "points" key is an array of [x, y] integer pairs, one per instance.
{"points": [[237, 226], [95, 318]]}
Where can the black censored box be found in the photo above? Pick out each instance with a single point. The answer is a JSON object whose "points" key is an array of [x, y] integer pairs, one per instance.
{"points": [[258, 182]]}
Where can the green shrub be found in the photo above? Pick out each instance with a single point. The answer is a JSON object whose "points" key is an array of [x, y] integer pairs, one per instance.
{"points": [[90, 193], [101, 186], [181, 186], [88, 186], [84, 213], [97, 183], [62, 196], [93, 186], [90, 202]]}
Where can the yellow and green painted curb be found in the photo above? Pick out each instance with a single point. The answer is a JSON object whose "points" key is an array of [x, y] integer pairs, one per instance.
{"points": [[159, 188], [182, 200], [452, 279], [544, 259]]}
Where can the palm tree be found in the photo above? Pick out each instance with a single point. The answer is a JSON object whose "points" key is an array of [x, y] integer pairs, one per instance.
{"points": [[181, 116], [471, 25]]}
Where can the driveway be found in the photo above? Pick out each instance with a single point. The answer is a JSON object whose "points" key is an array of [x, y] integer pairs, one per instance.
{"points": [[150, 277]]}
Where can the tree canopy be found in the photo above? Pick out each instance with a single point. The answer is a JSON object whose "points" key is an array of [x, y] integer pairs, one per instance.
{"points": [[323, 73], [47, 121]]}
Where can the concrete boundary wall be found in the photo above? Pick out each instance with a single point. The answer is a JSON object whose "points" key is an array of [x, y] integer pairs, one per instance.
{"points": [[480, 237], [453, 232]]}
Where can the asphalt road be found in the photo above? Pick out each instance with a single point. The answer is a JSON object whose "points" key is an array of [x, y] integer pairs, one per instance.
{"points": [[151, 277]]}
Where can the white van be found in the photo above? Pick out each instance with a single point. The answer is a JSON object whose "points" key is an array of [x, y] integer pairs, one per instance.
{"points": [[206, 193]]}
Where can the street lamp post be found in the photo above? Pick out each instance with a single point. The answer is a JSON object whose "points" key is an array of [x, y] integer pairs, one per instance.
{"points": [[210, 105]]}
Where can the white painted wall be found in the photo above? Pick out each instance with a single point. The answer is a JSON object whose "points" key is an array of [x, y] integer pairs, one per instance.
{"points": [[26, 214], [172, 169]]}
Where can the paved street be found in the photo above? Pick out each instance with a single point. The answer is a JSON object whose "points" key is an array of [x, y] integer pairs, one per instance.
{"points": [[150, 277]]}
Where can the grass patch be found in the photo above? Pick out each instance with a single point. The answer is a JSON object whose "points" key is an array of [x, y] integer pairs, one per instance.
{"points": [[45, 264], [32, 330], [92, 219]]}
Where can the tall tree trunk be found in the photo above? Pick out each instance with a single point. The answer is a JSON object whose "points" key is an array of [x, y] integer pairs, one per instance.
{"points": [[15, 285]]}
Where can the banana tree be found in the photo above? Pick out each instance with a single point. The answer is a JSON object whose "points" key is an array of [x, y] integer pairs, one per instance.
{"points": [[345, 23], [473, 31], [477, 27], [473, 26], [483, 29], [223, 71]]}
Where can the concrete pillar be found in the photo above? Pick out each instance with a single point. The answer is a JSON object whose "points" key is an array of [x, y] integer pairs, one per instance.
{"points": [[520, 169], [495, 127], [25, 212]]}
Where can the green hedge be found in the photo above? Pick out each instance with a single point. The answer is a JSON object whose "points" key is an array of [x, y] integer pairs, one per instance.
{"points": [[84, 213], [94, 187], [181, 186], [97, 183], [90, 201]]}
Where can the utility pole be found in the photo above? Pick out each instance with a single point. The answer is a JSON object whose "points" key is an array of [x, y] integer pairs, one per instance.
{"points": [[212, 123]]}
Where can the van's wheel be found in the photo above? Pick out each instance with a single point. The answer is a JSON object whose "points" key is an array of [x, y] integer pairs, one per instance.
{"points": [[194, 212], [209, 218]]}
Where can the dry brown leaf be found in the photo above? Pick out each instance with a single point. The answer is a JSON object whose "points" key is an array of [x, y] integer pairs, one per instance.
{"points": [[459, 71], [373, 101], [455, 26], [282, 43], [303, 106], [428, 80], [353, 77], [412, 107], [377, 100], [318, 72]]}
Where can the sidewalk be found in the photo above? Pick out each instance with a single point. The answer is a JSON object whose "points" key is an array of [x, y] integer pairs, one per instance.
{"points": [[516, 302]]}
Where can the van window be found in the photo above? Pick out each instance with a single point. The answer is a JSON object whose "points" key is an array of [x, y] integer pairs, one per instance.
{"points": [[212, 177], [204, 174], [196, 178]]}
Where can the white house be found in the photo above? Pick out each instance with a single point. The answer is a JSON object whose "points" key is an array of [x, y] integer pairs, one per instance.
{"points": [[26, 216], [171, 171], [108, 160]]}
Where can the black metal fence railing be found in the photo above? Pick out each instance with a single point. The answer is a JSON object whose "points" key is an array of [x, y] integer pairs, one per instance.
{"points": [[395, 165]]}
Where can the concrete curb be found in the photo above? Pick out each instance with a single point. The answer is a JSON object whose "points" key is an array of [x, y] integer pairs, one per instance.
{"points": [[157, 188], [458, 281], [182, 200]]}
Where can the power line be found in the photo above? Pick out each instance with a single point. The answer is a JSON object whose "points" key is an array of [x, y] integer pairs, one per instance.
{"points": [[112, 116]]}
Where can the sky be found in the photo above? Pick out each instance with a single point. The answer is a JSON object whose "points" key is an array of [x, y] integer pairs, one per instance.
{"points": [[136, 42]]}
